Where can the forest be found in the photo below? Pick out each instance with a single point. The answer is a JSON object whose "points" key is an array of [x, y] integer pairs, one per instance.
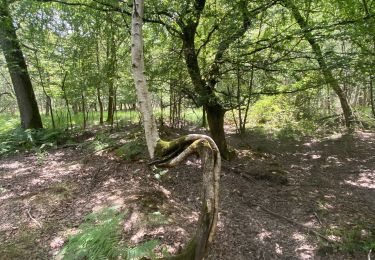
{"points": [[197, 129]]}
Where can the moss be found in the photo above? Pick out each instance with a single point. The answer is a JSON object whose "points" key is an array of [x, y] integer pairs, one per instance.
{"points": [[164, 148]]}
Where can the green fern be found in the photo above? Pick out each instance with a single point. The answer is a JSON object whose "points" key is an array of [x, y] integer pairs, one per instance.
{"points": [[18, 139], [144, 250], [100, 238]]}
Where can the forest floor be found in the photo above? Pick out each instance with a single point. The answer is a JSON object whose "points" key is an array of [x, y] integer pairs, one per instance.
{"points": [[274, 196]]}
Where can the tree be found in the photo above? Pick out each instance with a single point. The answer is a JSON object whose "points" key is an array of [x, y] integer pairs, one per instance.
{"points": [[28, 108], [327, 73], [173, 152]]}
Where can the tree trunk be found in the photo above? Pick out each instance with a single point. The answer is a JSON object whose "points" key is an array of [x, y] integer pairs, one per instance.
{"points": [[110, 102], [100, 105], [250, 90], [328, 75], [215, 118], [28, 108], [368, 13], [49, 108], [144, 99], [204, 145], [372, 97], [111, 67], [99, 84], [239, 102], [69, 115], [204, 119], [83, 110]]}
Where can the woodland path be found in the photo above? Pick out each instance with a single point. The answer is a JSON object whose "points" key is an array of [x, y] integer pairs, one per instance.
{"points": [[331, 183]]}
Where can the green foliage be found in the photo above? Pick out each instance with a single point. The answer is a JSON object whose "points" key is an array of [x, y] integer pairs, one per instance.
{"points": [[100, 238], [272, 110], [23, 244], [132, 150], [277, 115], [359, 238], [142, 251], [365, 117], [18, 139]]}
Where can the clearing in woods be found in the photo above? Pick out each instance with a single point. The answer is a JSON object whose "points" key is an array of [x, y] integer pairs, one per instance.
{"points": [[279, 200]]}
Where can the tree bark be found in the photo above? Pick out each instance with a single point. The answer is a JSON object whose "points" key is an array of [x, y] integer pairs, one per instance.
{"points": [[144, 99], [28, 108], [215, 119], [178, 150]]}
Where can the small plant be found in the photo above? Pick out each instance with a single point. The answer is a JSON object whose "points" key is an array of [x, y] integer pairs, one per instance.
{"points": [[131, 151]]}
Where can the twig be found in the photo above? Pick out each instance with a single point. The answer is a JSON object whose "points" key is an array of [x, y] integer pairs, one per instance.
{"points": [[317, 217], [33, 219], [239, 172], [369, 254]]}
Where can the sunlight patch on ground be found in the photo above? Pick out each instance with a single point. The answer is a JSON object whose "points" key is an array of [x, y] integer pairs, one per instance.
{"points": [[11, 165], [263, 236], [311, 143], [278, 249], [333, 159], [138, 236], [304, 250], [7, 196], [365, 180], [20, 172], [334, 136], [103, 199]]}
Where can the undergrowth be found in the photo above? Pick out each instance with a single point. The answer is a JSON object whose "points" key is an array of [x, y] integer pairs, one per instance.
{"points": [[100, 238], [20, 140], [359, 238]]}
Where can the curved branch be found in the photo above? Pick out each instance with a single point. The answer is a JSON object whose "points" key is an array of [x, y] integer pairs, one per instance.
{"points": [[6, 93], [211, 165]]}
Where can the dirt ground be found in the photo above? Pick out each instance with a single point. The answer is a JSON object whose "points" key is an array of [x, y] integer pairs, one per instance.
{"points": [[274, 196]]}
